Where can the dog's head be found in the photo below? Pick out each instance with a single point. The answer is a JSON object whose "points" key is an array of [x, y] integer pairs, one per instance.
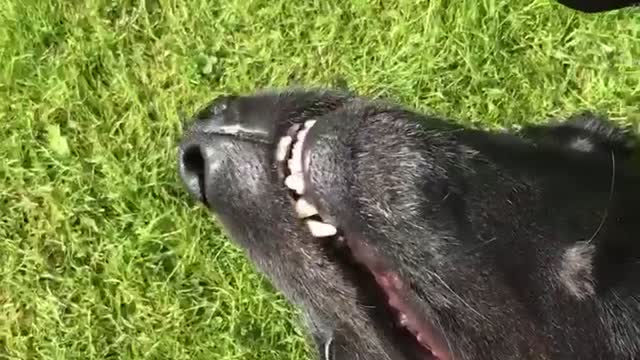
{"points": [[406, 237]]}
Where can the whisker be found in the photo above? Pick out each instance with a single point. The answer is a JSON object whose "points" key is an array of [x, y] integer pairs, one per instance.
{"points": [[468, 251], [605, 216], [458, 296], [446, 338]]}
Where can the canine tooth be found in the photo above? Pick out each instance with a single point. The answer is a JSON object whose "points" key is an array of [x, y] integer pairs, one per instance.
{"points": [[320, 229], [295, 182], [404, 320], [305, 209], [309, 123], [283, 147]]}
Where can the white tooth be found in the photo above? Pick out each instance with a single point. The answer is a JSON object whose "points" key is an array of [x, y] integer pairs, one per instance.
{"points": [[305, 209], [292, 166], [283, 148], [302, 134], [309, 123], [297, 151], [295, 182], [295, 163], [320, 229], [403, 319]]}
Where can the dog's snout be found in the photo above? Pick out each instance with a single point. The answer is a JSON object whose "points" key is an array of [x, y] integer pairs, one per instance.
{"points": [[192, 166], [219, 132], [200, 139]]}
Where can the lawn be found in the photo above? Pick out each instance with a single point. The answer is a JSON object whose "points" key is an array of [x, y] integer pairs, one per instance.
{"points": [[102, 253]]}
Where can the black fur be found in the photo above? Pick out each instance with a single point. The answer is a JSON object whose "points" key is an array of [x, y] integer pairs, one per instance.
{"points": [[597, 6], [515, 246]]}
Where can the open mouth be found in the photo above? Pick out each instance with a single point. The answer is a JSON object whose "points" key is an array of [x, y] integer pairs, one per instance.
{"points": [[383, 287]]}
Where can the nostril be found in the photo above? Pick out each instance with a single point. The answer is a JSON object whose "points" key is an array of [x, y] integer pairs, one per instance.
{"points": [[193, 171], [193, 161]]}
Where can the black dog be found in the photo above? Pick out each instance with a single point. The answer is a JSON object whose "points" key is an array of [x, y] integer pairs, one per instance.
{"points": [[404, 236]]}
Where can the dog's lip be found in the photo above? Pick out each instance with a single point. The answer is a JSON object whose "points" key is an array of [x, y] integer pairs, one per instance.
{"points": [[423, 330], [395, 286]]}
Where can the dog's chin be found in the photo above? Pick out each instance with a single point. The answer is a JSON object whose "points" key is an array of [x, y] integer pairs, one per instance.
{"points": [[381, 288]]}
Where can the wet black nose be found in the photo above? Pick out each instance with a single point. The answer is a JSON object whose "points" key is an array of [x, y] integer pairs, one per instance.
{"points": [[225, 119], [191, 165], [200, 140]]}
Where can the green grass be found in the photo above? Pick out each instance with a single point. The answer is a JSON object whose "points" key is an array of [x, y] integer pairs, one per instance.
{"points": [[102, 253]]}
